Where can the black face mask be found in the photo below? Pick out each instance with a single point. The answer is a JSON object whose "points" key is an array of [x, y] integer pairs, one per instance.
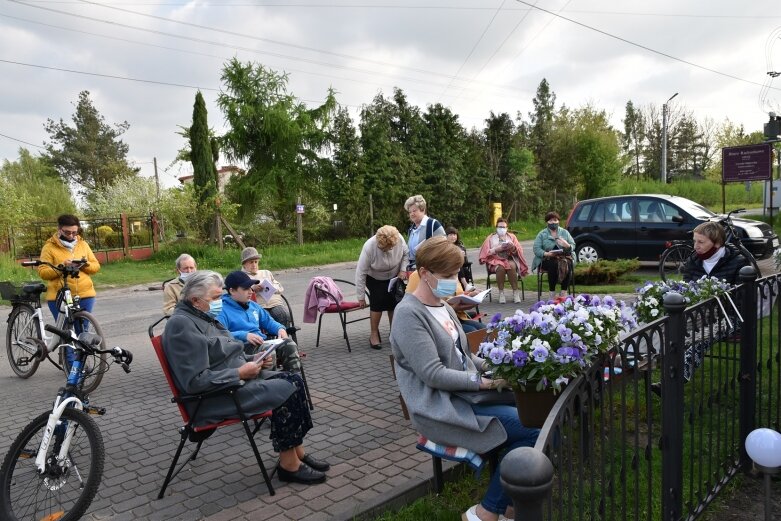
{"points": [[552, 227]]}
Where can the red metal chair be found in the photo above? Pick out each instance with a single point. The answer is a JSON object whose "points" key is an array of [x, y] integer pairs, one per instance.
{"points": [[340, 307], [197, 434]]}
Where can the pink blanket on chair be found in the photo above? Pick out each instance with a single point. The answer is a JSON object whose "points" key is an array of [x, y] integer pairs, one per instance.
{"points": [[316, 301]]}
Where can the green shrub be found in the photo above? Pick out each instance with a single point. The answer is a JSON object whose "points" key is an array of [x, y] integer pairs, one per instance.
{"points": [[265, 234], [603, 271], [141, 238]]}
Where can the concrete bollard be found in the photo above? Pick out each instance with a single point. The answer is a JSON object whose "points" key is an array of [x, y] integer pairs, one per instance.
{"points": [[527, 477]]}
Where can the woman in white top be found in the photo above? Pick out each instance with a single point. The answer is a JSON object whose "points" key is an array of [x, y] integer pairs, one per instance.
{"points": [[383, 257]]}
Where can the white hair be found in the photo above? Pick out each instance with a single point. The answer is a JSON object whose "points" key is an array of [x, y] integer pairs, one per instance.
{"points": [[199, 284], [181, 258]]}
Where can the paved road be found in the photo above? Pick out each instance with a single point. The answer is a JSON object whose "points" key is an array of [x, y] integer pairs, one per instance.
{"points": [[358, 422]]}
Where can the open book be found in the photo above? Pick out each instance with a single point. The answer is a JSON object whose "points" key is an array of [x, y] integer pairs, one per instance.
{"points": [[268, 347], [266, 290], [466, 299]]}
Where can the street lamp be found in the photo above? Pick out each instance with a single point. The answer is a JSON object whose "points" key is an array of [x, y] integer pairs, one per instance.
{"points": [[664, 138], [764, 447]]}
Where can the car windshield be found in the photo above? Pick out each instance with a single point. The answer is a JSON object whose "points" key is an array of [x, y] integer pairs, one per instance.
{"points": [[696, 210]]}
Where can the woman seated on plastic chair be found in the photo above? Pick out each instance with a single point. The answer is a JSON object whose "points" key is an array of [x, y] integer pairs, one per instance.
{"points": [[553, 249], [204, 357], [503, 255]]}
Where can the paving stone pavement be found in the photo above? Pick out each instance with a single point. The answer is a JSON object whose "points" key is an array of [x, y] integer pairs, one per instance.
{"points": [[358, 426]]}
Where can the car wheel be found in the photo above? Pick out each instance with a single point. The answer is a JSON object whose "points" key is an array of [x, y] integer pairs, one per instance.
{"points": [[589, 253]]}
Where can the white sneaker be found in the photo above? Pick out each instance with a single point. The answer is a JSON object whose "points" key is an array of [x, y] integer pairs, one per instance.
{"points": [[516, 297], [502, 300], [471, 514]]}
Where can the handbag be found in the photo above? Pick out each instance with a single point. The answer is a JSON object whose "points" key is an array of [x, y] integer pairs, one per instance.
{"points": [[488, 397], [399, 290]]}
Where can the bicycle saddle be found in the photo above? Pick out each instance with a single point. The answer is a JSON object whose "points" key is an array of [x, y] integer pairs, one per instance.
{"points": [[91, 339], [34, 288]]}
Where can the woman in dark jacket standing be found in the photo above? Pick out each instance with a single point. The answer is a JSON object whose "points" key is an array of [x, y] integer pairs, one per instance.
{"points": [[203, 357], [712, 257]]}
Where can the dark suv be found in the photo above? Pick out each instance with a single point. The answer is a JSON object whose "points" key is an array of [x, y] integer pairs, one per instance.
{"points": [[629, 226]]}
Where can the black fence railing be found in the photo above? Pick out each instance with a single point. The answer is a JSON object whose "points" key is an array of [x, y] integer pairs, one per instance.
{"points": [[657, 429], [102, 234]]}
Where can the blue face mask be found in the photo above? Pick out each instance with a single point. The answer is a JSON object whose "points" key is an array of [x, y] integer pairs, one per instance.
{"points": [[445, 288], [215, 307], [185, 276]]}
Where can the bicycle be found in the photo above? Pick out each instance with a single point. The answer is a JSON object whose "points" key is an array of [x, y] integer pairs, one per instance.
{"points": [[54, 467], [674, 258], [28, 345]]}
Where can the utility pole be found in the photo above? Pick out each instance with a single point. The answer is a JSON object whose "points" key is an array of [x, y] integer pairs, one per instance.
{"points": [[157, 179], [664, 139]]}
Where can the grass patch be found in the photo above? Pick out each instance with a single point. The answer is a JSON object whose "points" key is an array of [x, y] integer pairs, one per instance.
{"points": [[457, 496]]}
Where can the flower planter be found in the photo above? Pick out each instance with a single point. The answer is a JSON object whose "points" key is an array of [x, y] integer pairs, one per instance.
{"points": [[534, 406]]}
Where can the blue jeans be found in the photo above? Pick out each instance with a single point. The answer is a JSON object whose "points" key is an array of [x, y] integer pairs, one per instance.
{"points": [[495, 500], [471, 325], [86, 304]]}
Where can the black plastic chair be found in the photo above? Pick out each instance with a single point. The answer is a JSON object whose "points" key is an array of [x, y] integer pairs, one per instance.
{"points": [[541, 273]]}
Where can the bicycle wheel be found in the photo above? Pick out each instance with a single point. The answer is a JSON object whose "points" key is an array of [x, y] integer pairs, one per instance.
{"points": [[672, 261], [22, 340], [94, 365], [66, 488]]}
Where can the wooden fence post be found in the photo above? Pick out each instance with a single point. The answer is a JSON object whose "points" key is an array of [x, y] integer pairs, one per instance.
{"points": [[125, 235]]}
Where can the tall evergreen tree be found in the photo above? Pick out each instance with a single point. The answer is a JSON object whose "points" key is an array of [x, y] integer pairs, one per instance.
{"points": [[201, 156], [633, 138], [279, 138], [90, 153], [541, 120], [345, 184]]}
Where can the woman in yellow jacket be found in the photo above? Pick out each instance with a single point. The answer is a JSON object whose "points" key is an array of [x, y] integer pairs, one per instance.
{"points": [[63, 247]]}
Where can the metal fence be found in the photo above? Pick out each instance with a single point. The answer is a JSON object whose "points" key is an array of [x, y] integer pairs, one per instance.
{"points": [[102, 234], [623, 447]]}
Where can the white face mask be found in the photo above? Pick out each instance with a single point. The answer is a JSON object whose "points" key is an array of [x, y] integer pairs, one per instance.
{"points": [[501, 231]]}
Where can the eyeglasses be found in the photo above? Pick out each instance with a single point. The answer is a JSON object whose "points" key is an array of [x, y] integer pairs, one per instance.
{"points": [[69, 233]]}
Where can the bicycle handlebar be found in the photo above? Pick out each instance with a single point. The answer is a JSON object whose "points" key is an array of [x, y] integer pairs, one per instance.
{"points": [[122, 356], [72, 269]]}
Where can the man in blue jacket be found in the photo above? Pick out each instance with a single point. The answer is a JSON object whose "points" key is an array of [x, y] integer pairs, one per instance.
{"points": [[249, 322]]}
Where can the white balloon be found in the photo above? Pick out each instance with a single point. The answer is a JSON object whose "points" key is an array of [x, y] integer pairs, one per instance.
{"points": [[764, 447]]}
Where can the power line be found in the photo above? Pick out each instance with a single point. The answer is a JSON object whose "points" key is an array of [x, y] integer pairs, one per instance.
{"points": [[480, 39], [222, 58], [644, 47], [255, 51], [110, 76], [22, 141], [127, 78], [261, 39]]}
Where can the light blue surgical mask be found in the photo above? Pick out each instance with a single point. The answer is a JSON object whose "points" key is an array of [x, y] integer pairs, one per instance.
{"points": [[445, 288], [215, 307], [185, 276]]}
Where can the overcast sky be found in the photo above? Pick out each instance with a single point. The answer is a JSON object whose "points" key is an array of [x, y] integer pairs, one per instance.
{"points": [[474, 56]]}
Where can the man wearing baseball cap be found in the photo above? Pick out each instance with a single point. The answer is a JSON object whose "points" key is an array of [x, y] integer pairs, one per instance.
{"points": [[249, 322]]}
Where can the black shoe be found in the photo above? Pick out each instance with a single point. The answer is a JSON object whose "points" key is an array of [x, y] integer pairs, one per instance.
{"points": [[322, 466], [304, 474], [375, 346], [656, 388]]}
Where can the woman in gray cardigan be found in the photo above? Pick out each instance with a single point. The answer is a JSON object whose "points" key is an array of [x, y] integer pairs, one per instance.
{"points": [[203, 357], [433, 362]]}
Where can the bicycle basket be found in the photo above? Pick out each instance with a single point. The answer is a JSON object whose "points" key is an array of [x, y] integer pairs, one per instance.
{"points": [[11, 292]]}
